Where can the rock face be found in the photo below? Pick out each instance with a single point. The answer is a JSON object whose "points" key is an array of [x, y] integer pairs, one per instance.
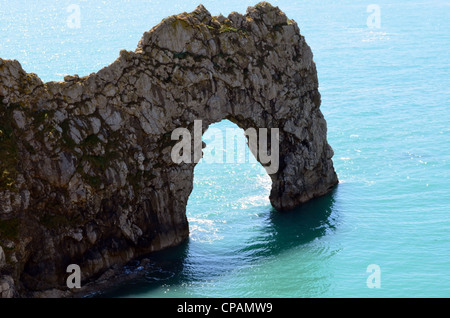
{"points": [[85, 166]]}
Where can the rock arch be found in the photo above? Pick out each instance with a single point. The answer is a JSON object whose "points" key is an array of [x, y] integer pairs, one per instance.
{"points": [[86, 172]]}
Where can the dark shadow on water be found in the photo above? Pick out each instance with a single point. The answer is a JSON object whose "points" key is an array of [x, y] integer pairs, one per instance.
{"points": [[283, 231], [163, 268], [289, 229]]}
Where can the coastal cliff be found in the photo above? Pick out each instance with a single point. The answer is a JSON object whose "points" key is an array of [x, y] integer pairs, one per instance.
{"points": [[86, 175]]}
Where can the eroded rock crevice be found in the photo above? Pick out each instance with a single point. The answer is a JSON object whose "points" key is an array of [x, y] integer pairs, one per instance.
{"points": [[85, 166]]}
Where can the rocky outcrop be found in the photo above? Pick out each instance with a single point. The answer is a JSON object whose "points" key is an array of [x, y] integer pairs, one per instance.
{"points": [[85, 166]]}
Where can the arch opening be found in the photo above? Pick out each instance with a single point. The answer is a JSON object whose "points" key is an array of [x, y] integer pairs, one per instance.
{"points": [[227, 178]]}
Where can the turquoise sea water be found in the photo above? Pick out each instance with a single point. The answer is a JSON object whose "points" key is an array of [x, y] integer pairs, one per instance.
{"points": [[386, 98]]}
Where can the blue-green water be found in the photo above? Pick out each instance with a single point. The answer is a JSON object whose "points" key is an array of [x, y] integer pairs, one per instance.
{"points": [[385, 96]]}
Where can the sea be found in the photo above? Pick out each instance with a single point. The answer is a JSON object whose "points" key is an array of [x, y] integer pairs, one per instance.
{"points": [[384, 76]]}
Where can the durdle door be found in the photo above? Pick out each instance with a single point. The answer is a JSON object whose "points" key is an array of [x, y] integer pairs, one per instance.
{"points": [[86, 174]]}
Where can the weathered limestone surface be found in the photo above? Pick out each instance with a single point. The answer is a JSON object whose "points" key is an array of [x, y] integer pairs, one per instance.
{"points": [[85, 166]]}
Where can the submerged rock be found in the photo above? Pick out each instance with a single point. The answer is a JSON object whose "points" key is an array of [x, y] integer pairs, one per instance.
{"points": [[85, 166]]}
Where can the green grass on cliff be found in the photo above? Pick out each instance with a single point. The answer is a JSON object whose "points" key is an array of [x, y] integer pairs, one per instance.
{"points": [[57, 221], [8, 149], [9, 229]]}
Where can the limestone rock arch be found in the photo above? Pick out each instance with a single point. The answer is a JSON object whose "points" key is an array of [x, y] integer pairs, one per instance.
{"points": [[85, 166]]}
